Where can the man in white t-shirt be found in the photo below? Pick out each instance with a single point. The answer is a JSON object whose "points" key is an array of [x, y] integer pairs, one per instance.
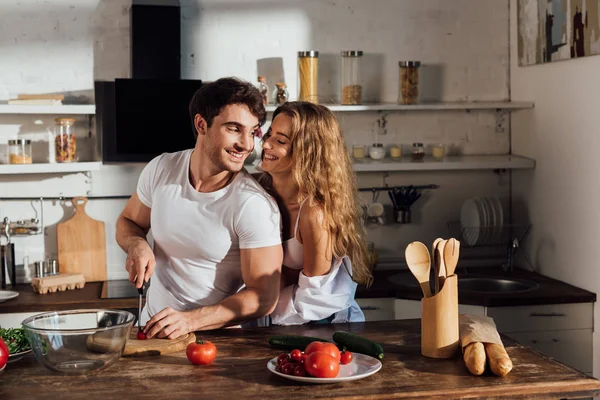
{"points": [[217, 245]]}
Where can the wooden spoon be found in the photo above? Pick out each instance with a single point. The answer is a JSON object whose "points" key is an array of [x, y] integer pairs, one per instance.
{"points": [[419, 263], [451, 253], [436, 264]]}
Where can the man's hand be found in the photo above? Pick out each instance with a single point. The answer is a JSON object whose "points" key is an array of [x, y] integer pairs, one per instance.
{"points": [[169, 324], [140, 263]]}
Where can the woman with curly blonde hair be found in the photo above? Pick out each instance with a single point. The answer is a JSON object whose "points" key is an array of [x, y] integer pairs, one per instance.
{"points": [[307, 169]]}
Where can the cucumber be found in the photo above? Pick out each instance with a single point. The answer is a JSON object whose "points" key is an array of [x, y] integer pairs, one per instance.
{"points": [[358, 344], [293, 341]]}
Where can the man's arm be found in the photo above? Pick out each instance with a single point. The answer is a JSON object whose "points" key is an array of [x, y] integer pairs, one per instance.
{"points": [[132, 227], [261, 271]]}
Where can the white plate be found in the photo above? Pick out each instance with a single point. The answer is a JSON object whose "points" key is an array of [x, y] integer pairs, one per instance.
{"points": [[7, 295], [470, 221], [17, 356], [499, 215], [360, 367]]}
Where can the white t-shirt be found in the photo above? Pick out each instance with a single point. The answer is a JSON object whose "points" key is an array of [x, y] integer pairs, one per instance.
{"points": [[198, 236]]}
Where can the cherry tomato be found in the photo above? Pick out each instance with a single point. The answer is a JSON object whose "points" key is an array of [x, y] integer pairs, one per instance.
{"points": [[296, 355], [322, 365], [325, 347], [302, 359], [201, 352], [299, 370], [282, 357], [3, 353], [288, 368], [345, 357], [141, 335]]}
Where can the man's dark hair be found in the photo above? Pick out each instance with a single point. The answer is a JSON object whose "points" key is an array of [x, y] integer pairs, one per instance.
{"points": [[209, 100]]}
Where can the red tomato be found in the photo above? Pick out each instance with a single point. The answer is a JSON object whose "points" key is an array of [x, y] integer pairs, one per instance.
{"points": [[141, 335], [322, 365], [325, 347], [3, 353], [201, 352], [345, 357], [296, 355]]}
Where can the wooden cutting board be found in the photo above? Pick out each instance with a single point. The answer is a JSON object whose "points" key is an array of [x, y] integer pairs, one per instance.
{"points": [[142, 348], [82, 244]]}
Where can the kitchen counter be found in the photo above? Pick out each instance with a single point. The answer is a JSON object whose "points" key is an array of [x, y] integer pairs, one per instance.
{"points": [[241, 369], [550, 291]]}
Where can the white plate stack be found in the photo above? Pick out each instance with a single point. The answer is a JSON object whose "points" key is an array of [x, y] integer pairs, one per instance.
{"points": [[482, 220]]}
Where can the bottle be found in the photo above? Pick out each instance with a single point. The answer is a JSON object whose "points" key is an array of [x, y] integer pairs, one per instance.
{"points": [[409, 82], [280, 94], [19, 151], [308, 68], [418, 152], [351, 87], [264, 89], [65, 143]]}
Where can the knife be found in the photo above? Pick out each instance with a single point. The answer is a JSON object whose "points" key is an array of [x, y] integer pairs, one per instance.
{"points": [[139, 321]]}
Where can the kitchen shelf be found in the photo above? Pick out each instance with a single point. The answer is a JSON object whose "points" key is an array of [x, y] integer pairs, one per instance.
{"points": [[450, 163], [476, 105], [85, 109], [45, 168]]}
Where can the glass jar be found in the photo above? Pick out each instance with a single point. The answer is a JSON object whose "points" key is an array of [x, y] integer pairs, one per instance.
{"points": [[280, 94], [19, 151], [418, 152], [308, 68], [438, 152], [358, 152], [377, 152], [395, 152], [264, 89], [409, 82], [351, 87], [65, 144]]}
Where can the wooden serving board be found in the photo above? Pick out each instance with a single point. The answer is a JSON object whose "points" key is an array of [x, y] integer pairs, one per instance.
{"points": [[142, 348], [82, 244]]}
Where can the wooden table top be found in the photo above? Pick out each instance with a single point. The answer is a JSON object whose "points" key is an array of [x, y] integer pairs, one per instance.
{"points": [[240, 371]]}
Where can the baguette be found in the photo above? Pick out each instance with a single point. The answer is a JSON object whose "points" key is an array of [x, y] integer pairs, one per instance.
{"points": [[474, 356], [500, 363]]}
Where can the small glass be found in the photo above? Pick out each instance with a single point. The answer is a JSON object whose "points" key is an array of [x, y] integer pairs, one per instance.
{"points": [[65, 142], [395, 152], [264, 89], [358, 152], [280, 94], [409, 82], [418, 152], [19, 151], [351, 87], [438, 152]]}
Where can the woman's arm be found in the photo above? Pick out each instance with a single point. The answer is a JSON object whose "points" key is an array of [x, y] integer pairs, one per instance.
{"points": [[316, 241]]}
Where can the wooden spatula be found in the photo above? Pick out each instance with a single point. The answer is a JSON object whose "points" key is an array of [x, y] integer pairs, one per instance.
{"points": [[419, 263], [451, 253], [436, 264], [441, 273]]}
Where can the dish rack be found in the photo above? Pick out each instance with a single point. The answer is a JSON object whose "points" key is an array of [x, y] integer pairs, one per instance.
{"points": [[506, 236]]}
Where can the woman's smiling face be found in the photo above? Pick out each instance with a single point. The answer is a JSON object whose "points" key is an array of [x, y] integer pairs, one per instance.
{"points": [[277, 145]]}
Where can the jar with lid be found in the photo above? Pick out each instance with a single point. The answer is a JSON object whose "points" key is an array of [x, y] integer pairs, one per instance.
{"points": [[351, 84], [264, 89], [418, 152], [280, 94], [358, 152], [438, 152], [19, 151], [409, 82], [395, 152], [65, 143], [377, 152], [308, 69]]}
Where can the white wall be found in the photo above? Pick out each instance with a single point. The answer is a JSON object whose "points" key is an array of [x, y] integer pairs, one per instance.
{"points": [[61, 45], [562, 194]]}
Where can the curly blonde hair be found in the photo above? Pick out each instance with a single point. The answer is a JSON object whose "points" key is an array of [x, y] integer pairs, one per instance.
{"points": [[322, 169]]}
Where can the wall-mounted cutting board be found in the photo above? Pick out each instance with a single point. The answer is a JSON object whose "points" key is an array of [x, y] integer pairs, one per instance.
{"points": [[82, 244]]}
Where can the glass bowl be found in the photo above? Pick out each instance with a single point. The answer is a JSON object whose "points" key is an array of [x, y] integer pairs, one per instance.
{"points": [[77, 342]]}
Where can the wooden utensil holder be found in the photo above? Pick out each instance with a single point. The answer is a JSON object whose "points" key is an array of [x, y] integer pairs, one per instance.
{"points": [[439, 321]]}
